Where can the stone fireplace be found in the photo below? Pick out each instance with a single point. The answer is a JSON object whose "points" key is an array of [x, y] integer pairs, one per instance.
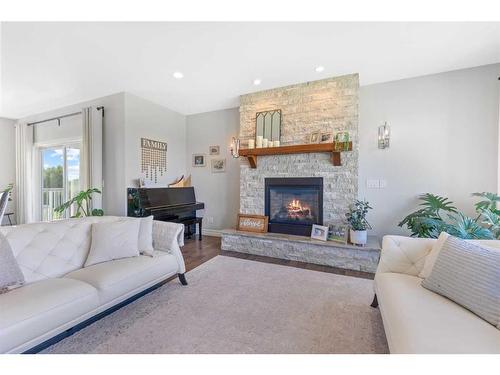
{"points": [[293, 205], [325, 106], [298, 190]]}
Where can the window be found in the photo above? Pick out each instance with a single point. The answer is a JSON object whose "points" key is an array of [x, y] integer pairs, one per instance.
{"points": [[60, 179]]}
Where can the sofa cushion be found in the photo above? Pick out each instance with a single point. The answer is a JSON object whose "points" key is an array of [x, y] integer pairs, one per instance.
{"points": [[113, 240], [469, 275], [39, 308], [123, 277], [47, 250], [10, 273], [431, 258], [417, 320], [146, 236]]}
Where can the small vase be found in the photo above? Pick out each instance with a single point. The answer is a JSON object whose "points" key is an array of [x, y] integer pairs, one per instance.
{"points": [[358, 237]]}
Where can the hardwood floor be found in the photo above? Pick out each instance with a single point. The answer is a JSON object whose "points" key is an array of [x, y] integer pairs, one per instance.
{"points": [[198, 252]]}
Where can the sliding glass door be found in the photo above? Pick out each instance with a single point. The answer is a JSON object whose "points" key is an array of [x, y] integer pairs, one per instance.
{"points": [[60, 179]]}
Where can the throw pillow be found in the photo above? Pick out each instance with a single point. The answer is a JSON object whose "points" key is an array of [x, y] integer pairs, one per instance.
{"points": [[10, 273], [430, 259], [113, 240], [469, 275], [146, 236]]}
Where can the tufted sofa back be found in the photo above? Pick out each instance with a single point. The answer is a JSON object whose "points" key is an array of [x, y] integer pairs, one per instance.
{"points": [[47, 250], [407, 254]]}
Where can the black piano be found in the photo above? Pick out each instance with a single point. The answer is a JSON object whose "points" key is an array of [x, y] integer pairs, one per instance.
{"points": [[166, 204]]}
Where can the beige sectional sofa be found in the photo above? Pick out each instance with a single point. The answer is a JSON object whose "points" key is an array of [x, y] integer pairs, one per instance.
{"points": [[417, 320], [60, 295]]}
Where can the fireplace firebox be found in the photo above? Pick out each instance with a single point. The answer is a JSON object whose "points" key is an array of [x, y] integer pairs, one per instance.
{"points": [[294, 204]]}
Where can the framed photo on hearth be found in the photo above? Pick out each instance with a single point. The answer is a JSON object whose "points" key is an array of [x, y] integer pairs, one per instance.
{"points": [[253, 223], [319, 232]]}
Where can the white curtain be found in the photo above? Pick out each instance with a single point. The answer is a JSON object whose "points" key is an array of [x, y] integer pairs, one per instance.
{"points": [[24, 174], [91, 153]]}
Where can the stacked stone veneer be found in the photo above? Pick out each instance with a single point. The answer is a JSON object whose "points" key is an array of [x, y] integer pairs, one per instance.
{"points": [[329, 105]]}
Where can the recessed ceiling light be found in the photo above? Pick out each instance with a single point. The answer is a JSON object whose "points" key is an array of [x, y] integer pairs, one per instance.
{"points": [[178, 75], [257, 81], [319, 69]]}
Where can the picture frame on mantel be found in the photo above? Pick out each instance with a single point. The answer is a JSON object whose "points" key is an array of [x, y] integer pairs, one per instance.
{"points": [[253, 223]]}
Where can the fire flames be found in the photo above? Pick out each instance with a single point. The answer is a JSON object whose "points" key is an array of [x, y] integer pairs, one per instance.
{"points": [[295, 208]]}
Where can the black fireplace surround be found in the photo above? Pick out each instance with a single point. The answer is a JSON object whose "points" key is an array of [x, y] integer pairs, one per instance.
{"points": [[294, 204]]}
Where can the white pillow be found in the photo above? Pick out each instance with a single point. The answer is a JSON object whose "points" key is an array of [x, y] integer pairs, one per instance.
{"points": [[146, 236], [113, 240], [430, 259], [11, 275]]}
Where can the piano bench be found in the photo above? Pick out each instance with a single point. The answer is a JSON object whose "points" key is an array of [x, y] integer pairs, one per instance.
{"points": [[195, 220]]}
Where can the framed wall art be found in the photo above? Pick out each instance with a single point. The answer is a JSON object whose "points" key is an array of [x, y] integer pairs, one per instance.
{"points": [[218, 165], [214, 150], [199, 160]]}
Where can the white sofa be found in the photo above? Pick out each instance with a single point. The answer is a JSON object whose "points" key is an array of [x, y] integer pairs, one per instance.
{"points": [[417, 320], [60, 295]]}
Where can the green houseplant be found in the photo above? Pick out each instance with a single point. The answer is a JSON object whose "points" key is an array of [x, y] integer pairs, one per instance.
{"points": [[82, 202], [358, 225], [8, 190], [438, 214]]}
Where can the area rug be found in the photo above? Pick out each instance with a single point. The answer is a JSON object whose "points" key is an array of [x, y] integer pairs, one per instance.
{"points": [[235, 305]]}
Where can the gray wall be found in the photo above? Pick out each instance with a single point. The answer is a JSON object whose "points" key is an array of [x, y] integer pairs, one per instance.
{"points": [[114, 193], [219, 191], [7, 156], [145, 119], [444, 140]]}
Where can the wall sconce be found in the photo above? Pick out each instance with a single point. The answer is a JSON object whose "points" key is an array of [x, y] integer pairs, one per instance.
{"points": [[235, 148], [384, 135]]}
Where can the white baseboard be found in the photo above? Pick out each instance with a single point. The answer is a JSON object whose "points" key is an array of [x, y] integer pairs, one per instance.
{"points": [[212, 232]]}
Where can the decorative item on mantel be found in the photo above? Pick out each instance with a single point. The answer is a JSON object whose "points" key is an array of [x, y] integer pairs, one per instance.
{"points": [[342, 141], [384, 135], [356, 218], [268, 127]]}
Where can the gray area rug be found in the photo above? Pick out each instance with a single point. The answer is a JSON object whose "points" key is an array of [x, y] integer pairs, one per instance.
{"points": [[241, 306]]}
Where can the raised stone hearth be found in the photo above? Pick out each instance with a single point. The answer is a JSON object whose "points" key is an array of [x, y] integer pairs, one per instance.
{"points": [[304, 249]]}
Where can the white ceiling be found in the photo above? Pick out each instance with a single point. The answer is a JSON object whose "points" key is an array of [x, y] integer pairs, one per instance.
{"points": [[49, 65]]}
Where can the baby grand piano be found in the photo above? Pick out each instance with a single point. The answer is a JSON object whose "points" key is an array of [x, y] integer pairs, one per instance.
{"points": [[166, 204]]}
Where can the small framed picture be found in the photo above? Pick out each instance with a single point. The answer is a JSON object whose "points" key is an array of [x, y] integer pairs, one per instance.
{"points": [[319, 232], [253, 223], [338, 234], [198, 160], [326, 138], [214, 150], [314, 137], [218, 165]]}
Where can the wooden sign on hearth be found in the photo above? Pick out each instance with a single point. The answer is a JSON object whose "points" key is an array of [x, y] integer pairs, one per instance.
{"points": [[253, 223]]}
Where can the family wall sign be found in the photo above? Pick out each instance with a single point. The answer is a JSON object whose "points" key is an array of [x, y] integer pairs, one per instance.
{"points": [[153, 158]]}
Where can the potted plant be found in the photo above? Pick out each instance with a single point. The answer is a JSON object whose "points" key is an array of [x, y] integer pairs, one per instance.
{"points": [[82, 203], [358, 225]]}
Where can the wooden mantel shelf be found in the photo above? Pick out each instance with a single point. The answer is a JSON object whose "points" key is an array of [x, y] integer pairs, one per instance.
{"points": [[252, 153]]}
